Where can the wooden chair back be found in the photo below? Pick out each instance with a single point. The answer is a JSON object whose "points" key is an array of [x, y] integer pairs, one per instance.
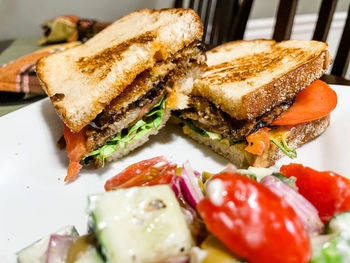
{"points": [[226, 20]]}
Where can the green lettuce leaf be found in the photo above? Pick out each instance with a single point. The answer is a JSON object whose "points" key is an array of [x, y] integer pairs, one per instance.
{"points": [[153, 119]]}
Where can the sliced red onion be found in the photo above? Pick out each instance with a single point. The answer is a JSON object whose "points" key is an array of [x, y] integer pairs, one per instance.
{"points": [[175, 186], [58, 248], [189, 185], [196, 173], [303, 208]]}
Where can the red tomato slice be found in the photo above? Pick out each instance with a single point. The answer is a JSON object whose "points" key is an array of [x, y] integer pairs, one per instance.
{"points": [[258, 141], [76, 149], [157, 170], [314, 102], [254, 223], [327, 191]]}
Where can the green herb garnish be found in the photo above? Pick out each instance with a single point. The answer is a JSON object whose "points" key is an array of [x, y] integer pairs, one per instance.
{"points": [[284, 147], [233, 142]]}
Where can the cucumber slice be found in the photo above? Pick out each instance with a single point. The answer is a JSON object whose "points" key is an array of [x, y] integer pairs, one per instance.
{"points": [[340, 224], [90, 256], [140, 224], [335, 251], [84, 249], [337, 248], [35, 252]]}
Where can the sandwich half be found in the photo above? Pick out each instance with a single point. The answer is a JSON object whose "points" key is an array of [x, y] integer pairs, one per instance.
{"points": [[237, 105], [118, 88]]}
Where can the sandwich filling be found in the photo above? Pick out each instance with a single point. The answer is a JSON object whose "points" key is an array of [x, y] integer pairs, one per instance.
{"points": [[307, 114], [207, 116], [145, 95]]}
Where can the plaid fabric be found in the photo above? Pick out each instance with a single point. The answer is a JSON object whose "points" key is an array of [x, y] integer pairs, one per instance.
{"points": [[20, 75], [26, 80]]}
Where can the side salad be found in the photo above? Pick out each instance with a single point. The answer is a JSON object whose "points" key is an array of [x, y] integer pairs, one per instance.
{"points": [[157, 211]]}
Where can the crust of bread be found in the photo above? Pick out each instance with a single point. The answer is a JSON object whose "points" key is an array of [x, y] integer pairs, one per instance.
{"points": [[295, 136], [83, 80], [120, 152], [248, 78]]}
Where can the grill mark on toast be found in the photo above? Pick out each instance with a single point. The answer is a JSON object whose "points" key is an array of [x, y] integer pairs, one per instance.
{"points": [[57, 97], [105, 58], [247, 67]]}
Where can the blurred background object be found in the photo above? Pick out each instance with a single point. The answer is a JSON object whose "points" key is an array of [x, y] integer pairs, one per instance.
{"points": [[70, 28]]}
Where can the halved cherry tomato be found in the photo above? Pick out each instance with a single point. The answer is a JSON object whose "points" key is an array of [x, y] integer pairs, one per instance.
{"points": [[314, 102], [157, 170], [327, 191], [254, 223], [76, 149], [258, 141]]}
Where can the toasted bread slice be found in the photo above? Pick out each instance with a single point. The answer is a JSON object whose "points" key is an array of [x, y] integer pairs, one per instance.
{"points": [[83, 80], [248, 78], [295, 136]]}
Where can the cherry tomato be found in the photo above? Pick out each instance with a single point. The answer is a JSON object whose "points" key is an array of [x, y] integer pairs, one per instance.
{"points": [[327, 191], [254, 223], [157, 170]]}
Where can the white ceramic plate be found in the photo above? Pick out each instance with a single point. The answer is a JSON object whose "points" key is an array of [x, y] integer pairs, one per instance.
{"points": [[34, 200]]}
